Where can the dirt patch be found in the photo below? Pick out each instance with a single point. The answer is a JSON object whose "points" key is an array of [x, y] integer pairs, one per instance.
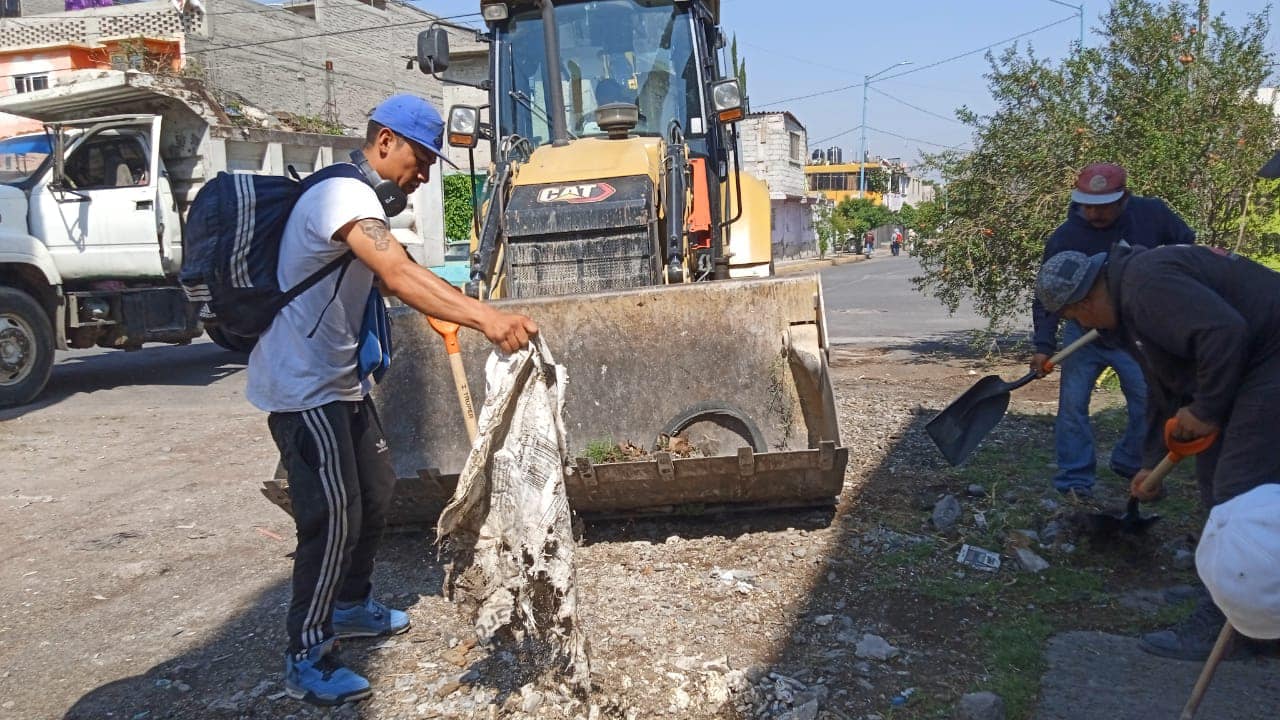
{"points": [[146, 578]]}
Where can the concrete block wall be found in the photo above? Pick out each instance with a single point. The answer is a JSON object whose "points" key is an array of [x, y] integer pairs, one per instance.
{"points": [[43, 24], [766, 151], [290, 75]]}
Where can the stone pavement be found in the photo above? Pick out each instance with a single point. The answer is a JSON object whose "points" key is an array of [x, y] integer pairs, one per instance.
{"points": [[1096, 675]]}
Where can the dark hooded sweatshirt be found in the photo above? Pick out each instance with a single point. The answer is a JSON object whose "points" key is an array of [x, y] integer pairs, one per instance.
{"points": [[1147, 222], [1207, 327]]}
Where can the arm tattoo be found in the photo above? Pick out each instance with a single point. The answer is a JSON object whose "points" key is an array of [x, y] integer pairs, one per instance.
{"points": [[377, 230]]}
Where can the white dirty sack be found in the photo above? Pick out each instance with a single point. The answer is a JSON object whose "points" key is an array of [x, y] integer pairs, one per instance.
{"points": [[508, 531]]}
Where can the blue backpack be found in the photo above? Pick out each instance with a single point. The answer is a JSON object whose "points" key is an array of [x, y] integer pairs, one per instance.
{"points": [[231, 248]]}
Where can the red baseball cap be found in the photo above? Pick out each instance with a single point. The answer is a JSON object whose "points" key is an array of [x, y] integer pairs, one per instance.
{"points": [[1099, 184]]}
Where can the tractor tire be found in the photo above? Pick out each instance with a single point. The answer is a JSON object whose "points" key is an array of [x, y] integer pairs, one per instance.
{"points": [[26, 348], [231, 341]]}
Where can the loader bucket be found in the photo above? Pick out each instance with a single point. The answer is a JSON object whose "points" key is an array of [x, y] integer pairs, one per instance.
{"points": [[736, 368]]}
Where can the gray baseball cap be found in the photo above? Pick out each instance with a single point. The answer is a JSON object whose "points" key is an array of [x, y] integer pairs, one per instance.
{"points": [[1066, 278]]}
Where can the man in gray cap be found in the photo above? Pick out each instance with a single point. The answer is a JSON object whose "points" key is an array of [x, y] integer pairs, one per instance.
{"points": [[1102, 213], [1207, 325]]}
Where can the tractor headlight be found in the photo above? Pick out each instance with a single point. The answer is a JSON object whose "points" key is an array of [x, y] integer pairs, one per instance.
{"points": [[464, 124], [726, 98], [494, 11]]}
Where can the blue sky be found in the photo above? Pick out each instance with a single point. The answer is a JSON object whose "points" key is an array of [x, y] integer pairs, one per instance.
{"points": [[804, 47]]}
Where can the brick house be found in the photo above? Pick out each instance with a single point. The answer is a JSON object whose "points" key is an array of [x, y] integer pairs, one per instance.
{"points": [[774, 148]]}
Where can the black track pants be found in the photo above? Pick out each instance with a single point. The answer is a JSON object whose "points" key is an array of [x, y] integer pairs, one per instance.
{"points": [[340, 482]]}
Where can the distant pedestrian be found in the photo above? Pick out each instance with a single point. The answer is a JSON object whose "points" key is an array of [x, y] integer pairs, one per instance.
{"points": [[895, 245]]}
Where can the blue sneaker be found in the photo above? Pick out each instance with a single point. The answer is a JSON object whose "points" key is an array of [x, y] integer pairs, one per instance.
{"points": [[368, 619], [320, 679]]}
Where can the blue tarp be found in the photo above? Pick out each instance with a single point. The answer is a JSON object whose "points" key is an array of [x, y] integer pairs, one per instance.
{"points": [[25, 144]]}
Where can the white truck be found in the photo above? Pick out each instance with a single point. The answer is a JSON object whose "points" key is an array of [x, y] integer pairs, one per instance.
{"points": [[91, 214]]}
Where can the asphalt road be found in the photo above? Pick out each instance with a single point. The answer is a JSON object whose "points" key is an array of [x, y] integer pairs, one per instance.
{"points": [[873, 302]]}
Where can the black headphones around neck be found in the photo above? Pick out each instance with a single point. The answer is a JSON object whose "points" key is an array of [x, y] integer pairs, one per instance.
{"points": [[389, 194]]}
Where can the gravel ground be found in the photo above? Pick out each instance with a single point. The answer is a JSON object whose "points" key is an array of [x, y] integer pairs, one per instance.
{"points": [[145, 578]]}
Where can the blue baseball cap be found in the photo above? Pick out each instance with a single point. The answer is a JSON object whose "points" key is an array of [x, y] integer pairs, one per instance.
{"points": [[414, 118]]}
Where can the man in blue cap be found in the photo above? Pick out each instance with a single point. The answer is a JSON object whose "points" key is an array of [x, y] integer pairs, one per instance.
{"points": [[1102, 213], [306, 372]]}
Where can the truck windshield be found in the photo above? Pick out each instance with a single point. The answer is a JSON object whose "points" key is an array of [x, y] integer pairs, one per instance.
{"points": [[632, 51], [22, 156]]}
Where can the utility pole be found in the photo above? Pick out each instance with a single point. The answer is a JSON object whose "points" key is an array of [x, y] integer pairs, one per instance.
{"points": [[862, 145], [1079, 11]]}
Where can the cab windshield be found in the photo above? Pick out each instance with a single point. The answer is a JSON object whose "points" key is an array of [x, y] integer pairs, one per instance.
{"points": [[22, 156], [631, 51]]}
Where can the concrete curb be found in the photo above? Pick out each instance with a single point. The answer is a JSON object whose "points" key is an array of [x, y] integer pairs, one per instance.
{"points": [[814, 264]]}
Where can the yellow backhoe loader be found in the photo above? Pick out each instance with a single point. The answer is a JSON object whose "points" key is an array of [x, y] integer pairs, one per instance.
{"points": [[618, 219]]}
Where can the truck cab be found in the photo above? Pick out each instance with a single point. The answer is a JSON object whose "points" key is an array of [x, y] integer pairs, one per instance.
{"points": [[92, 211]]}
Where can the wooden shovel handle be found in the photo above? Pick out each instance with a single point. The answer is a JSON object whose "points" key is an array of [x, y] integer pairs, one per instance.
{"points": [[464, 395], [1206, 673], [1157, 475], [449, 331], [1062, 354]]}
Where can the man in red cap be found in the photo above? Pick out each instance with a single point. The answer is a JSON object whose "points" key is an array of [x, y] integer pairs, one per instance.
{"points": [[1102, 213]]}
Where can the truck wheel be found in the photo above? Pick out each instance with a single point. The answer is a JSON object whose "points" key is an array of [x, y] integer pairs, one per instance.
{"points": [[26, 348], [231, 341]]}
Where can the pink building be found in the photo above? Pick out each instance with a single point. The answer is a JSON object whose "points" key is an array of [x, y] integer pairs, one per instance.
{"points": [[39, 67]]}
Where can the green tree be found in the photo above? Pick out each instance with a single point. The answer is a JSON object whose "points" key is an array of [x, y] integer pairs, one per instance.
{"points": [[860, 215], [739, 65], [924, 218], [830, 228], [1173, 105], [458, 204]]}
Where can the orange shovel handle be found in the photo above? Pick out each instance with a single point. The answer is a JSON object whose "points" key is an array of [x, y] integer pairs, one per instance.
{"points": [[1178, 449], [1185, 448], [449, 331]]}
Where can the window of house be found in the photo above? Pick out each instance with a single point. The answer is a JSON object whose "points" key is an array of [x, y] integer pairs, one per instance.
{"points": [[29, 83], [304, 8], [797, 149], [11, 8], [379, 4]]}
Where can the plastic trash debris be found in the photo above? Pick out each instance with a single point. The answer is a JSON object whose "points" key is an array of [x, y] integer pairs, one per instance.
{"points": [[978, 558]]}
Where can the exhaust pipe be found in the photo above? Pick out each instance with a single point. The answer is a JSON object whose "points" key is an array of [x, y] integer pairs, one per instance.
{"points": [[551, 38]]}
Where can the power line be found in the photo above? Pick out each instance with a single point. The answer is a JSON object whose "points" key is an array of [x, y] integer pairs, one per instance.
{"points": [[922, 67], [793, 58], [915, 107], [886, 132], [842, 133], [332, 33], [981, 49], [911, 139]]}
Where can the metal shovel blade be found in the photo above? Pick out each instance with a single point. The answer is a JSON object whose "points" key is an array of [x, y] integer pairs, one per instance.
{"points": [[1130, 523], [959, 428]]}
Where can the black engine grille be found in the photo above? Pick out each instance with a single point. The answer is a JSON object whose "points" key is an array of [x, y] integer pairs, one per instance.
{"points": [[617, 261]]}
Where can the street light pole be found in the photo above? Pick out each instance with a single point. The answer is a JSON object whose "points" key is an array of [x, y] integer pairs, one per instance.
{"points": [[862, 145], [1079, 11]]}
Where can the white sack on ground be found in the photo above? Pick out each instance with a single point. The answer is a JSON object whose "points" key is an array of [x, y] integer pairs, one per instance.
{"points": [[508, 527]]}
